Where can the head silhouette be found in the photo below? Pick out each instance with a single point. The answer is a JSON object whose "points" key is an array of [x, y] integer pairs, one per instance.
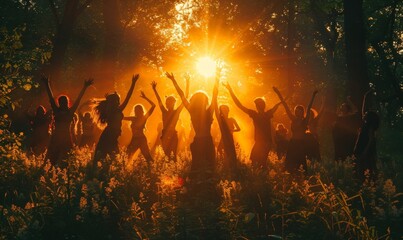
{"points": [[63, 101], [87, 116], [170, 102], [40, 111], [371, 119], [113, 100], [224, 110], [260, 104], [199, 101], [299, 111], [138, 110]]}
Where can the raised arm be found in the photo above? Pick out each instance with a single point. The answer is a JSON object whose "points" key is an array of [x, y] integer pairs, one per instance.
{"points": [[236, 100], [87, 83], [130, 92], [187, 78], [179, 90], [151, 110], [160, 104], [364, 102], [308, 109], [49, 92], [213, 106], [287, 109]]}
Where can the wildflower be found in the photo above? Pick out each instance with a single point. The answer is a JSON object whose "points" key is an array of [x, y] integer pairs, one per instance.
{"points": [[83, 202], [388, 188], [29, 205]]}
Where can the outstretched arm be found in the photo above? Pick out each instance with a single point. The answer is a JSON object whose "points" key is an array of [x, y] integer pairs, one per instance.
{"points": [[308, 110], [45, 80], [179, 90], [236, 100], [187, 78], [87, 83], [286, 107], [364, 102], [148, 114], [213, 106], [130, 92], [160, 104]]}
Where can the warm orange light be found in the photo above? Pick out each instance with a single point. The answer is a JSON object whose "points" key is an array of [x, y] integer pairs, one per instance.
{"points": [[206, 66]]}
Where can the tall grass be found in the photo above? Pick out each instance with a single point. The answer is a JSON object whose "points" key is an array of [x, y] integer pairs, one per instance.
{"points": [[133, 200]]}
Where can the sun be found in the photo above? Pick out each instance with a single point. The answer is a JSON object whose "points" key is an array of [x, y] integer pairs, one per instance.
{"points": [[206, 66]]}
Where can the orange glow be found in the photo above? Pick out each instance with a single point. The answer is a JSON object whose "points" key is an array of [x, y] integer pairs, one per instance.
{"points": [[206, 66]]}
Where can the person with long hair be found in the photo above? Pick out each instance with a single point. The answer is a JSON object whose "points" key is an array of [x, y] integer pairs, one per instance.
{"points": [[201, 115], [262, 124], [297, 152], [61, 139], [138, 124], [109, 113], [226, 147], [170, 117]]}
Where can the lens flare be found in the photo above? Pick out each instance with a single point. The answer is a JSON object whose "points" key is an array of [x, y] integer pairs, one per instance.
{"points": [[206, 66]]}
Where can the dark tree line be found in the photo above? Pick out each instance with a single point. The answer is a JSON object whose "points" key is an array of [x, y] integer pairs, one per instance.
{"points": [[342, 45]]}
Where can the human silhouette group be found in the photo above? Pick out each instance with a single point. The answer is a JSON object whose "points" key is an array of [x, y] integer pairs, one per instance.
{"points": [[55, 132]]}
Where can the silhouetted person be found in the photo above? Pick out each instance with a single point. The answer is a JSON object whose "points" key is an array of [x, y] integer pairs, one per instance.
{"points": [[87, 128], [109, 112], [297, 152], [312, 135], [170, 117], [75, 135], [281, 140], [201, 115], [345, 130], [262, 124], [228, 126], [40, 124], [365, 147], [61, 140], [138, 124]]}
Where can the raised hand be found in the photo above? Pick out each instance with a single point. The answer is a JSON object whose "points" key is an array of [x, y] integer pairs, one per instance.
{"points": [[135, 78], [154, 85], [315, 92], [275, 89], [170, 76], [143, 95], [226, 85], [45, 79], [186, 76], [88, 82]]}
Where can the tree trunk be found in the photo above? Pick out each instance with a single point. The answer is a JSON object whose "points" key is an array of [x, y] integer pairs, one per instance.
{"points": [[290, 46], [61, 41], [357, 71], [113, 38]]}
